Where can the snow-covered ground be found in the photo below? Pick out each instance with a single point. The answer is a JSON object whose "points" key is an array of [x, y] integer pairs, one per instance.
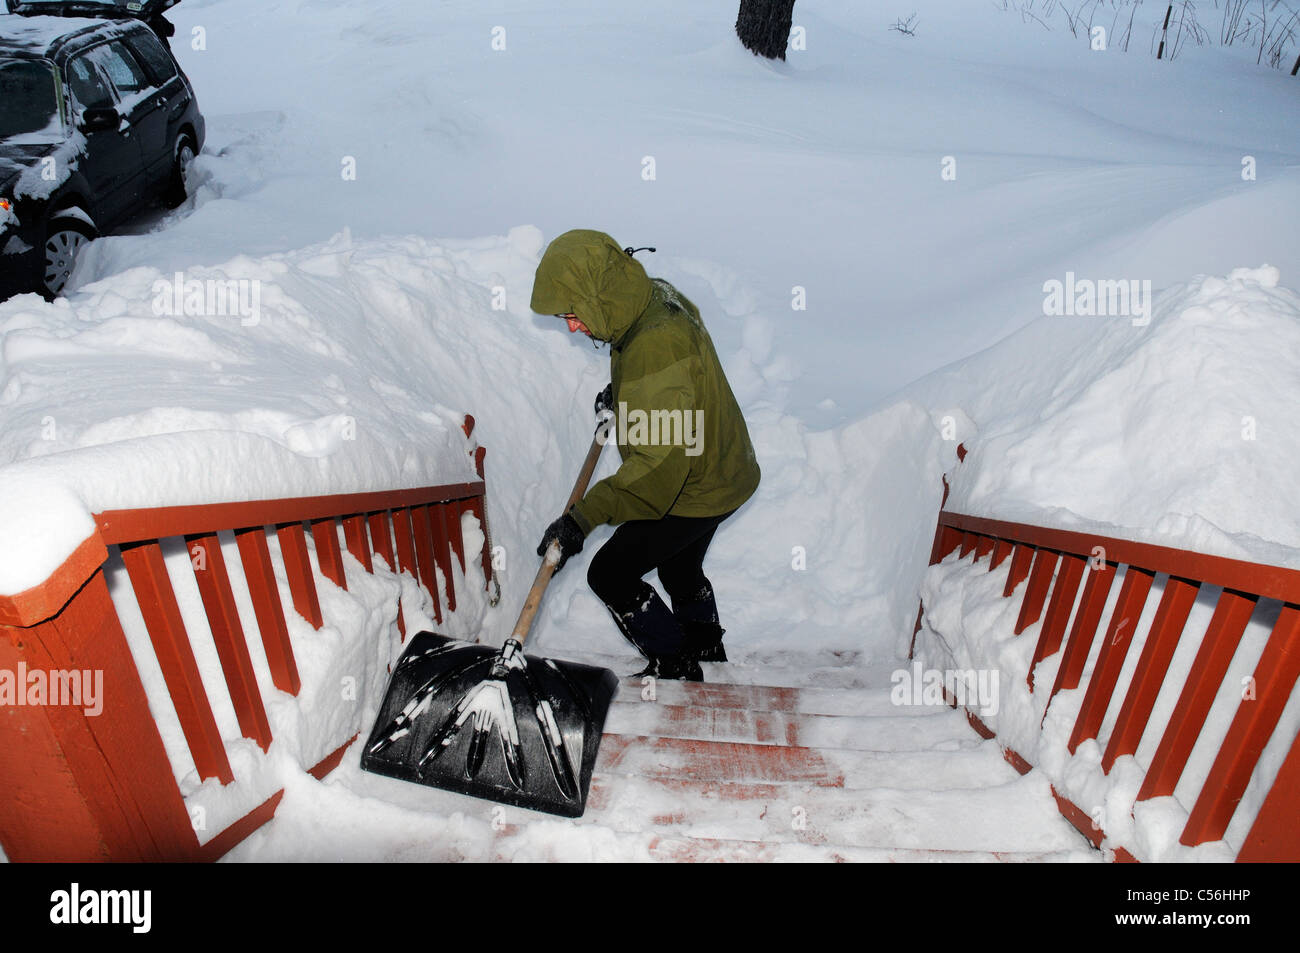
{"points": [[867, 228]]}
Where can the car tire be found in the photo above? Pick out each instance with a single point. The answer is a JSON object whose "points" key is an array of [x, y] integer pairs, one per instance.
{"points": [[65, 237], [177, 192]]}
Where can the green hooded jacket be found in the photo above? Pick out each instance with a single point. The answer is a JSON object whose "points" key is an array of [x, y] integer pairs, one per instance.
{"points": [[685, 448]]}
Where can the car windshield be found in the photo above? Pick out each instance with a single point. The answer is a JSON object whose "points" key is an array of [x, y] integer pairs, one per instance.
{"points": [[29, 105]]}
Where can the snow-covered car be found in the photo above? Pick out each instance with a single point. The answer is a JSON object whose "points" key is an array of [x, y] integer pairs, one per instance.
{"points": [[97, 123]]}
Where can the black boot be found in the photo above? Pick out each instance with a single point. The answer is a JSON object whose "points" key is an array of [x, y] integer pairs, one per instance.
{"points": [[650, 626], [675, 667], [704, 641], [698, 617]]}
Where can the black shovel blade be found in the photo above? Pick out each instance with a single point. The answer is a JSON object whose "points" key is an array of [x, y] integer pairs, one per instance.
{"points": [[492, 723]]}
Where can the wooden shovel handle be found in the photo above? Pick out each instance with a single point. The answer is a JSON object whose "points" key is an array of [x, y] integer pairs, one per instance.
{"points": [[547, 569]]}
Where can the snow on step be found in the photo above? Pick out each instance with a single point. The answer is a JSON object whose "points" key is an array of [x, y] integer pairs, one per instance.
{"points": [[901, 733], [708, 850], [733, 771], [811, 701], [831, 767], [667, 758], [517, 842], [798, 670], [1017, 815]]}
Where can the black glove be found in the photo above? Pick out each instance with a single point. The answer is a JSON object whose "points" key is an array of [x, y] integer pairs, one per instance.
{"points": [[605, 401], [568, 533]]}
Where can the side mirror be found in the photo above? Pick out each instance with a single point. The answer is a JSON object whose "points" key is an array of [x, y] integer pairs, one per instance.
{"points": [[99, 118]]}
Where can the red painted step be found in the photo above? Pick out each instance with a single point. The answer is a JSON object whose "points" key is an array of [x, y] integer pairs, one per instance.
{"points": [[678, 758], [811, 701], [702, 850], [895, 733], [770, 812]]}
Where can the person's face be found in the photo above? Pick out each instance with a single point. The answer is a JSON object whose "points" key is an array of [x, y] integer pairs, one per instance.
{"points": [[574, 324]]}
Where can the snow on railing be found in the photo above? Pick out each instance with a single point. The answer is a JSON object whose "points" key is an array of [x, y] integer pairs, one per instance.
{"points": [[1054, 565], [84, 771]]}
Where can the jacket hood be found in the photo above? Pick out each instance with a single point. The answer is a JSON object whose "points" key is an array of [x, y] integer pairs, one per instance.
{"points": [[588, 273]]}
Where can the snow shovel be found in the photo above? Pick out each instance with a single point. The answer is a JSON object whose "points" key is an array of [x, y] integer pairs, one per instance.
{"points": [[492, 723]]}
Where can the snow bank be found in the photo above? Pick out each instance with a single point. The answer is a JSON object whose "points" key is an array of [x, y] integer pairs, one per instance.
{"points": [[333, 369], [1179, 432]]}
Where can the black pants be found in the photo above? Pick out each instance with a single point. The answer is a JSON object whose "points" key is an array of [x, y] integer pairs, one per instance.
{"points": [[675, 546]]}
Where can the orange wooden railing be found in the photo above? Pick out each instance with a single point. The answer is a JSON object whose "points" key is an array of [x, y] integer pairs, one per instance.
{"points": [[1053, 564], [82, 787]]}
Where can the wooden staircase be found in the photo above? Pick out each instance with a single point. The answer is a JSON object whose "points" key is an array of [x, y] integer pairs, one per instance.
{"points": [[739, 768], [749, 772]]}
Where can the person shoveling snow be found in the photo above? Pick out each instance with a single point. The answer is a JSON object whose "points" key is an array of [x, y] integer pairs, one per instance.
{"points": [[688, 462]]}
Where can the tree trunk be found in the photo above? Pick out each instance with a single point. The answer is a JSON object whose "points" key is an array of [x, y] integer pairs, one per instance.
{"points": [[764, 26]]}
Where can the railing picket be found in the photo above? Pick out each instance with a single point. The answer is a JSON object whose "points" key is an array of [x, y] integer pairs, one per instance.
{"points": [[1058, 610], [1096, 589], [405, 542], [1040, 580], [354, 534], [476, 506], [1275, 678], [255, 556], [1132, 597], [228, 635], [1203, 680], [162, 617], [297, 566], [1171, 615], [967, 545], [442, 551], [454, 511], [1275, 836], [983, 546], [328, 554], [382, 543], [424, 550], [946, 539], [405, 555], [1021, 558], [1001, 550], [381, 537]]}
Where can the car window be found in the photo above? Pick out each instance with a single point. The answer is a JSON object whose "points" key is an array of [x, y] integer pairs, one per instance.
{"points": [[29, 103], [152, 56], [121, 68], [87, 85]]}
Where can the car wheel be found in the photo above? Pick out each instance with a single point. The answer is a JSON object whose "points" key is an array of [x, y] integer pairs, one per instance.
{"points": [[65, 237], [177, 190]]}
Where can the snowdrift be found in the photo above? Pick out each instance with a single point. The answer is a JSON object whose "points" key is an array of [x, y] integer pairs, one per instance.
{"points": [[1179, 432]]}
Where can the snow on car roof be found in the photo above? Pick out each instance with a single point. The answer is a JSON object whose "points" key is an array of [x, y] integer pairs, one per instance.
{"points": [[36, 35]]}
